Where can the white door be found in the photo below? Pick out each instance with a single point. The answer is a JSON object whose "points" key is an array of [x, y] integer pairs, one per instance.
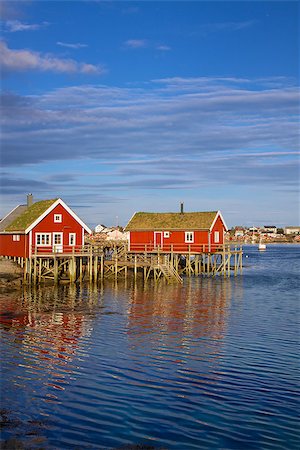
{"points": [[57, 242]]}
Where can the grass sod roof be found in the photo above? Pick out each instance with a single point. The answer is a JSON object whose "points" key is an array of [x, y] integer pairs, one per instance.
{"points": [[143, 221], [29, 216]]}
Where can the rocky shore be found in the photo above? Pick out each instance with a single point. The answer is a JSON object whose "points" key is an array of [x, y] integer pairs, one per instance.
{"points": [[11, 275]]}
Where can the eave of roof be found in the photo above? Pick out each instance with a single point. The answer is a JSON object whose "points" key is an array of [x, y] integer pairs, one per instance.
{"points": [[11, 217]]}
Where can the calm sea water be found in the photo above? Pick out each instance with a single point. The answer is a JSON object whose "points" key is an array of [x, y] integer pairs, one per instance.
{"points": [[210, 364]]}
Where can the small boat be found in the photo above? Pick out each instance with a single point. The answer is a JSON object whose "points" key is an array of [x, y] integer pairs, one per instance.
{"points": [[261, 245]]}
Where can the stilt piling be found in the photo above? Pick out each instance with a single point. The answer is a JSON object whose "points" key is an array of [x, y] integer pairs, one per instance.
{"points": [[94, 263]]}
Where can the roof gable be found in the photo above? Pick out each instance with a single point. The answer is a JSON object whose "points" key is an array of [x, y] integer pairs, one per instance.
{"points": [[143, 221], [59, 201], [30, 215], [35, 213]]}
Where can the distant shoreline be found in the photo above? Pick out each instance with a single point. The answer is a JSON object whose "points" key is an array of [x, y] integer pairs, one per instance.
{"points": [[265, 242]]}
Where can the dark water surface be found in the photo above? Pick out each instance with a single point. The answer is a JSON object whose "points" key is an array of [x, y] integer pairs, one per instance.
{"points": [[210, 364]]}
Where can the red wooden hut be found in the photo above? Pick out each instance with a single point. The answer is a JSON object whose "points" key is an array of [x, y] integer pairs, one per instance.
{"points": [[46, 226], [179, 232]]}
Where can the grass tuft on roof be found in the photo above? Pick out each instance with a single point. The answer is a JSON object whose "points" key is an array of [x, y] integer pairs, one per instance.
{"points": [[22, 222], [171, 221]]}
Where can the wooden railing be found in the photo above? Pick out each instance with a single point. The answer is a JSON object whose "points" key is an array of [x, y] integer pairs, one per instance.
{"points": [[69, 249], [182, 248], [113, 252]]}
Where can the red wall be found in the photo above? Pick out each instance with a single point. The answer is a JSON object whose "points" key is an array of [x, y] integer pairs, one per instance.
{"points": [[141, 240], [218, 226], [8, 247], [68, 225]]}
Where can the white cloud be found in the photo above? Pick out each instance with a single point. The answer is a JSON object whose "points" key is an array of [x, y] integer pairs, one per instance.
{"points": [[163, 48], [68, 45], [15, 25], [213, 143], [27, 60], [145, 43], [217, 27], [136, 43], [216, 118]]}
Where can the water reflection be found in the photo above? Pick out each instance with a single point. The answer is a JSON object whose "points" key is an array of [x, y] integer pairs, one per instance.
{"points": [[51, 326], [47, 325], [210, 364], [198, 309], [120, 347]]}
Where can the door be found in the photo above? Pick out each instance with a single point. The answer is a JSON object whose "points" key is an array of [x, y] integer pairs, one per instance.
{"points": [[57, 242], [158, 239]]}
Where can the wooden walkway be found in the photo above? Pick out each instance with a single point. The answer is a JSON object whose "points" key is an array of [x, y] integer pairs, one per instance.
{"points": [[94, 263]]}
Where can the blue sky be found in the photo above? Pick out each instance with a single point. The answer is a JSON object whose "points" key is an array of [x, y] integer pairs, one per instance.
{"points": [[119, 107]]}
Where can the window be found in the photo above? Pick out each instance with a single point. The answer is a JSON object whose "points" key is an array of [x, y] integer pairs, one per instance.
{"points": [[58, 218], [189, 236], [72, 239], [217, 237], [57, 238], [166, 234], [43, 239], [16, 237]]}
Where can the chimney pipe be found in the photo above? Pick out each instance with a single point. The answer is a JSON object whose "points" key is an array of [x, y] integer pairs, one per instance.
{"points": [[181, 208], [29, 200]]}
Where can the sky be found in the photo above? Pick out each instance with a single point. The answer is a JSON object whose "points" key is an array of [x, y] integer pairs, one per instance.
{"points": [[118, 107]]}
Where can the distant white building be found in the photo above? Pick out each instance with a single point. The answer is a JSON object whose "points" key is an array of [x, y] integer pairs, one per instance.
{"points": [[292, 230], [269, 229], [100, 228], [239, 232], [253, 229], [117, 235], [111, 233]]}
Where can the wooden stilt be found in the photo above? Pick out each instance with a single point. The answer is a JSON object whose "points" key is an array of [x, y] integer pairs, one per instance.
{"points": [[161, 264], [135, 267], [91, 266], [102, 266], [30, 271], [40, 269], [95, 269], [55, 270], [80, 269]]}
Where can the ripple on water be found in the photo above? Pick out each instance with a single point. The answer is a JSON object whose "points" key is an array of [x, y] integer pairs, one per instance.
{"points": [[210, 364]]}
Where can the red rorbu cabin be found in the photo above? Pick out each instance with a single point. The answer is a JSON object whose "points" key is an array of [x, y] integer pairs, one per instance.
{"points": [[179, 232], [47, 226]]}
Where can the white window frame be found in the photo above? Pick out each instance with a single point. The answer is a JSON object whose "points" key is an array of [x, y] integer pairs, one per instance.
{"points": [[189, 237], [166, 234], [55, 235], [58, 218], [217, 237], [72, 236], [41, 239], [16, 237]]}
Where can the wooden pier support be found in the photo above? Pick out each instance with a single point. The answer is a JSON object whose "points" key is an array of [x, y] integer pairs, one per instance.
{"points": [[92, 265]]}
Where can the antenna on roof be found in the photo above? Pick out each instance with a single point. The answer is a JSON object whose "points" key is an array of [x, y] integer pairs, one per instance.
{"points": [[181, 208]]}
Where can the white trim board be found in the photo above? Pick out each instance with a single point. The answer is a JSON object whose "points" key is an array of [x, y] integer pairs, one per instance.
{"points": [[215, 219], [59, 201]]}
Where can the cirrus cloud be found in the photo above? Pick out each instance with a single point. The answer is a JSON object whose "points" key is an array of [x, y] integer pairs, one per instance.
{"points": [[136, 43], [27, 60], [200, 117], [15, 25], [69, 45]]}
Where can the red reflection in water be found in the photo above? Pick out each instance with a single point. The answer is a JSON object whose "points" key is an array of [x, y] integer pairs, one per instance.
{"points": [[47, 336], [198, 309]]}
